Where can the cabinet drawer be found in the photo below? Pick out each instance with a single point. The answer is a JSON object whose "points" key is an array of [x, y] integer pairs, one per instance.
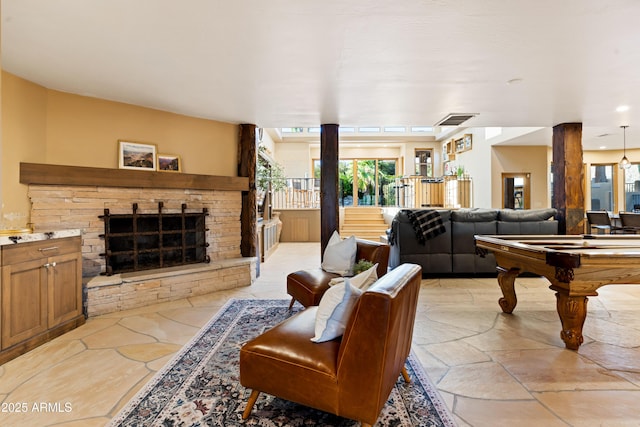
{"points": [[22, 252]]}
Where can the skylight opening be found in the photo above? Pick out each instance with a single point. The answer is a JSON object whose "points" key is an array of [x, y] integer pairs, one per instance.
{"points": [[421, 129], [369, 129], [395, 129], [492, 132]]}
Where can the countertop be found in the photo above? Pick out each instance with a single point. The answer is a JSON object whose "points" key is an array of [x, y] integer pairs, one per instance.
{"points": [[36, 237]]}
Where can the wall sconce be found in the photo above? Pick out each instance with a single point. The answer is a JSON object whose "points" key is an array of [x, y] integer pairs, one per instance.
{"points": [[624, 162]]}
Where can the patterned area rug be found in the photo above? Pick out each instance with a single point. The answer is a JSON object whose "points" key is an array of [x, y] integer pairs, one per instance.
{"points": [[201, 386]]}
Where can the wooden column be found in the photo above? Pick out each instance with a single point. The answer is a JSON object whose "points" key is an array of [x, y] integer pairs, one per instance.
{"points": [[329, 210], [568, 171], [247, 159]]}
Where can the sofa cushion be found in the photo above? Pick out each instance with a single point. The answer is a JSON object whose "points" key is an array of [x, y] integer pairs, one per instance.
{"points": [[528, 227], [340, 255], [512, 215], [474, 215], [334, 310]]}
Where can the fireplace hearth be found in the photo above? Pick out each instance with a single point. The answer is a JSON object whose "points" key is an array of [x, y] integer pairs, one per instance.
{"points": [[144, 241]]}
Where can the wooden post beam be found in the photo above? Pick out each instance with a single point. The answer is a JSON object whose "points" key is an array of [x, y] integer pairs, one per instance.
{"points": [[247, 159], [329, 210], [568, 174]]}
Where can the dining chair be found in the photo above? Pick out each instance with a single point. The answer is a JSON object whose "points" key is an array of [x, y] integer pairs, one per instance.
{"points": [[630, 222], [601, 222]]}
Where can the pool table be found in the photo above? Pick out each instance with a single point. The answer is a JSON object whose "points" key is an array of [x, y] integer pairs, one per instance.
{"points": [[576, 266]]}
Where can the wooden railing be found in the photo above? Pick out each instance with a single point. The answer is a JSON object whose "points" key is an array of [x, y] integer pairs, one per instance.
{"points": [[406, 192]]}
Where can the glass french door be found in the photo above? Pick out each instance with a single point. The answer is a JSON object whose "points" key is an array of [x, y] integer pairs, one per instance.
{"points": [[364, 182]]}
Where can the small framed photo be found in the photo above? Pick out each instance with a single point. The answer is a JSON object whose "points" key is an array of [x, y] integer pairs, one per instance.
{"points": [[135, 155], [467, 141], [169, 163]]}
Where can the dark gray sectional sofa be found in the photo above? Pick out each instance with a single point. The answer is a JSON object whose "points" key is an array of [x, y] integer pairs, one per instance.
{"points": [[454, 251]]}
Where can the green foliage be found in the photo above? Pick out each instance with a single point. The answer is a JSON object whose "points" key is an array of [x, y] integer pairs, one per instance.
{"points": [[362, 265], [269, 171]]}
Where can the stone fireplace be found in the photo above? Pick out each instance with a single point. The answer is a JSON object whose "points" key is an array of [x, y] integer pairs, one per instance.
{"points": [[140, 241], [59, 206]]}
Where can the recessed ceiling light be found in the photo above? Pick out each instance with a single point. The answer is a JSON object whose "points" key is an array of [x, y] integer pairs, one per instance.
{"points": [[603, 147], [622, 108]]}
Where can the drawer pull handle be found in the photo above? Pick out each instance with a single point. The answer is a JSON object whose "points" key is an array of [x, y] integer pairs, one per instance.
{"points": [[52, 248], [50, 264]]}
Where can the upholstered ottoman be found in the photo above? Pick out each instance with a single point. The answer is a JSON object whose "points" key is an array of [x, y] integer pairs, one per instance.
{"points": [[308, 286]]}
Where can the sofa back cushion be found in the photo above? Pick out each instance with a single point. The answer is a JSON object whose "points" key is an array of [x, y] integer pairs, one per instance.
{"points": [[434, 256], [534, 221], [405, 235], [513, 215], [474, 215], [465, 224]]}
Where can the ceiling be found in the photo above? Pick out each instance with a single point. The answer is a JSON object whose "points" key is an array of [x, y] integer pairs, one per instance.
{"points": [[285, 63]]}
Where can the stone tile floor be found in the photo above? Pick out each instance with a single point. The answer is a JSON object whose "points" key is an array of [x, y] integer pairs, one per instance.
{"points": [[492, 369]]}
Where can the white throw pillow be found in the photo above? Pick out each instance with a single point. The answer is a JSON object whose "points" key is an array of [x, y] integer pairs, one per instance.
{"points": [[334, 310], [361, 280], [340, 255], [365, 279]]}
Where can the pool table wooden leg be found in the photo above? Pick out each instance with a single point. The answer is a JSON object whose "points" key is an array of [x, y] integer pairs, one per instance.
{"points": [[572, 311], [506, 280]]}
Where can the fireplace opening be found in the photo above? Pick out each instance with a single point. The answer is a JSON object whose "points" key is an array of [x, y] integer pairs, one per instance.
{"points": [[135, 242]]}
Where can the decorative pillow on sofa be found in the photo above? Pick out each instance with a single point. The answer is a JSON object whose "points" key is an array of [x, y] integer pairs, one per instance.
{"points": [[334, 310], [340, 255], [362, 280]]}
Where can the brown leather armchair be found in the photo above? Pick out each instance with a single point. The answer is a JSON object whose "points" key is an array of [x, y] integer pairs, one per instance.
{"points": [[308, 286], [351, 376]]}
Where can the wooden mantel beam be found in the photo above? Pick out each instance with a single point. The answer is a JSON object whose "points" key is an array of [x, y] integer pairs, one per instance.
{"points": [[43, 174]]}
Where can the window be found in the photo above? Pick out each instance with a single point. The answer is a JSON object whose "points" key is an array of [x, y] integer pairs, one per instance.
{"points": [[492, 132], [366, 182], [602, 187], [632, 188], [421, 129], [423, 162]]}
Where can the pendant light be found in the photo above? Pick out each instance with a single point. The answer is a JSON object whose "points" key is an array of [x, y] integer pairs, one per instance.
{"points": [[624, 162]]}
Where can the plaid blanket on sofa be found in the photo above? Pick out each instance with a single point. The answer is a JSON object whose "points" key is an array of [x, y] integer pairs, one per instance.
{"points": [[426, 223]]}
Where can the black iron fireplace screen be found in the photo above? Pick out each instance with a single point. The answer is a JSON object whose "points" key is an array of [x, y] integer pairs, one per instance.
{"points": [[135, 242]]}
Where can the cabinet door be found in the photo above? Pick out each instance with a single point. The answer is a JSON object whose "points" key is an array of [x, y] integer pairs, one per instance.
{"points": [[65, 288], [24, 301]]}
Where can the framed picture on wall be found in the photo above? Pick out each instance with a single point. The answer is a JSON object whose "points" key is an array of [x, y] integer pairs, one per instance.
{"points": [[135, 155], [467, 141], [169, 163]]}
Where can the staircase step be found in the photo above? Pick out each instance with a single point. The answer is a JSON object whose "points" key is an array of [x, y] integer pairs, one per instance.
{"points": [[364, 222]]}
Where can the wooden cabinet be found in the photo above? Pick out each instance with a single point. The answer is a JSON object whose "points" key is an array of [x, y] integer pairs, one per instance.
{"points": [[40, 293]]}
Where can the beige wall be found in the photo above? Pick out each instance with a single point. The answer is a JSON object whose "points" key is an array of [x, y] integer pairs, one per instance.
{"points": [[46, 126], [522, 159], [24, 112], [85, 131]]}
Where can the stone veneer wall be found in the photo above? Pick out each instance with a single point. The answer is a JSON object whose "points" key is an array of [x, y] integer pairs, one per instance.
{"points": [[56, 207]]}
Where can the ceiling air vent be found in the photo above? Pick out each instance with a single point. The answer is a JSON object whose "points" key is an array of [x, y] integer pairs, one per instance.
{"points": [[455, 119]]}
